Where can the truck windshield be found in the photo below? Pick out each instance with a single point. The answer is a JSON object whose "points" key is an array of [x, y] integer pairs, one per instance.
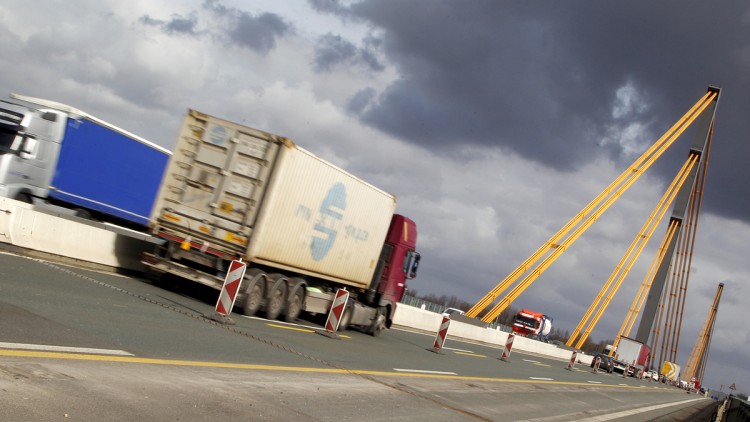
{"points": [[529, 322], [6, 140]]}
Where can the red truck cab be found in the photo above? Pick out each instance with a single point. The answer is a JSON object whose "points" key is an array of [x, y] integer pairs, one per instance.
{"points": [[398, 263]]}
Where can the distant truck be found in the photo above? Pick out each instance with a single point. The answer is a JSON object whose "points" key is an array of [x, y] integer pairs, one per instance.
{"points": [[54, 153], [532, 324], [304, 226], [631, 354]]}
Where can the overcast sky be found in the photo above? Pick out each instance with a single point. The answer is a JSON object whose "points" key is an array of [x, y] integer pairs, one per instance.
{"points": [[493, 122]]}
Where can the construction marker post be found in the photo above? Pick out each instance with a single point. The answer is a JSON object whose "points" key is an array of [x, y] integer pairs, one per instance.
{"points": [[229, 292], [508, 346], [572, 363], [334, 315], [442, 333], [597, 363]]}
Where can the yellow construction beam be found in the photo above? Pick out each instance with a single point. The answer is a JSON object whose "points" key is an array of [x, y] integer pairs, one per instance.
{"points": [[553, 243], [641, 239], [633, 173], [703, 337]]}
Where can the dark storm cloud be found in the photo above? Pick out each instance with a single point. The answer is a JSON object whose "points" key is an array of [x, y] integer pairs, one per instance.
{"points": [[256, 32], [176, 25], [542, 78], [332, 51]]}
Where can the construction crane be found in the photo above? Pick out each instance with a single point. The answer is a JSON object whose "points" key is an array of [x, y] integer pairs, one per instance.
{"points": [[696, 363], [571, 231]]}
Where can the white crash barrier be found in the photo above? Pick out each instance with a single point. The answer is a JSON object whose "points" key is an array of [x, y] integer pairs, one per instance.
{"points": [[22, 226], [412, 317]]}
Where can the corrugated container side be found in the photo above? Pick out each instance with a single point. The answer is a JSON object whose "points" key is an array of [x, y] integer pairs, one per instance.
{"points": [[247, 192], [105, 170], [215, 182], [318, 219]]}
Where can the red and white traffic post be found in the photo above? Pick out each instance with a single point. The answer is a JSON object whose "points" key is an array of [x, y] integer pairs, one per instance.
{"points": [[442, 333], [335, 314], [508, 346], [572, 363], [229, 291], [597, 363]]}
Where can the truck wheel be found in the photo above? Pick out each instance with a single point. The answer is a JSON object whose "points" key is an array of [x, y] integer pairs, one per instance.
{"points": [[24, 197], [256, 282], [346, 318], [378, 325], [294, 306], [276, 297]]}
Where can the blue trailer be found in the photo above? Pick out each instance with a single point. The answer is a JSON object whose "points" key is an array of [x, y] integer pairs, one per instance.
{"points": [[61, 155]]}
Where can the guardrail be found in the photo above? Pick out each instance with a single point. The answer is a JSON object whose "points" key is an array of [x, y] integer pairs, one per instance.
{"points": [[736, 410], [424, 320]]}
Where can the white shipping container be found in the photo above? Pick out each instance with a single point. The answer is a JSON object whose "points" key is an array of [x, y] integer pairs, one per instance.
{"points": [[319, 219], [249, 193], [628, 351]]}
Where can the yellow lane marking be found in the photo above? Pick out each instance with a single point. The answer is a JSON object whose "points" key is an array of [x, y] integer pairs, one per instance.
{"points": [[304, 330], [286, 327], [247, 366], [541, 364], [470, 354]]}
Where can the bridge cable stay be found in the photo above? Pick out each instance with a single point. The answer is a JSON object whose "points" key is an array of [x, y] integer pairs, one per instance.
{"points": [[660, 297], [629, 176], [633, 172], [631, 255], [678, 284], [696, 200], [696, 362], [704, 358], [650, 225], [640, 297]]}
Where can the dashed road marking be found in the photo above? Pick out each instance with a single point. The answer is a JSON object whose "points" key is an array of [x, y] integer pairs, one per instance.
{"points": [[51, 348]]}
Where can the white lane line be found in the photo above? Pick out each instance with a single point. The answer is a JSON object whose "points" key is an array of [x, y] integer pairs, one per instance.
{"points": [[529, 360], [594, 382], [542, 379], [422, 371], [623, 384], [458, 350], [634, 411], [49, 348]]}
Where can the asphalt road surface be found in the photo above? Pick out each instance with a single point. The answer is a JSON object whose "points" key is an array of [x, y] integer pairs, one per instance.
{"points": [[82, 345]]}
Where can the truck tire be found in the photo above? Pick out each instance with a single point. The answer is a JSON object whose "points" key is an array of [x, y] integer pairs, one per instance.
{"points": [[255, 287], [294, 304], [378, 325], [346, 318], [24, 197], [276, 296]]}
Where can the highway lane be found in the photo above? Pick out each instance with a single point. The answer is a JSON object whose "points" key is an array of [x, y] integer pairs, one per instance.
{"points": [[157, 334]]}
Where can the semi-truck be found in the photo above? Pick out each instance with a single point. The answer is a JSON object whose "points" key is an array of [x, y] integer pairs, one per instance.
{"points": [[55, 154], [631, 354], [304, 227], [532, 324]]}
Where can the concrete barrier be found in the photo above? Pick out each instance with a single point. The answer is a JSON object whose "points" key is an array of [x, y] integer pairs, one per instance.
{"points": [[412, 317], [38, 233]]}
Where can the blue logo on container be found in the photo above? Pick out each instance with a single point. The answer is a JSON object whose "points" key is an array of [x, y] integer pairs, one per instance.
{"points": [[331, 214], [218, 134]]}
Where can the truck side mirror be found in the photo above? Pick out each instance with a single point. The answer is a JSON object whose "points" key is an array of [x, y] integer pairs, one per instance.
{"points": [[414, 265]]}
